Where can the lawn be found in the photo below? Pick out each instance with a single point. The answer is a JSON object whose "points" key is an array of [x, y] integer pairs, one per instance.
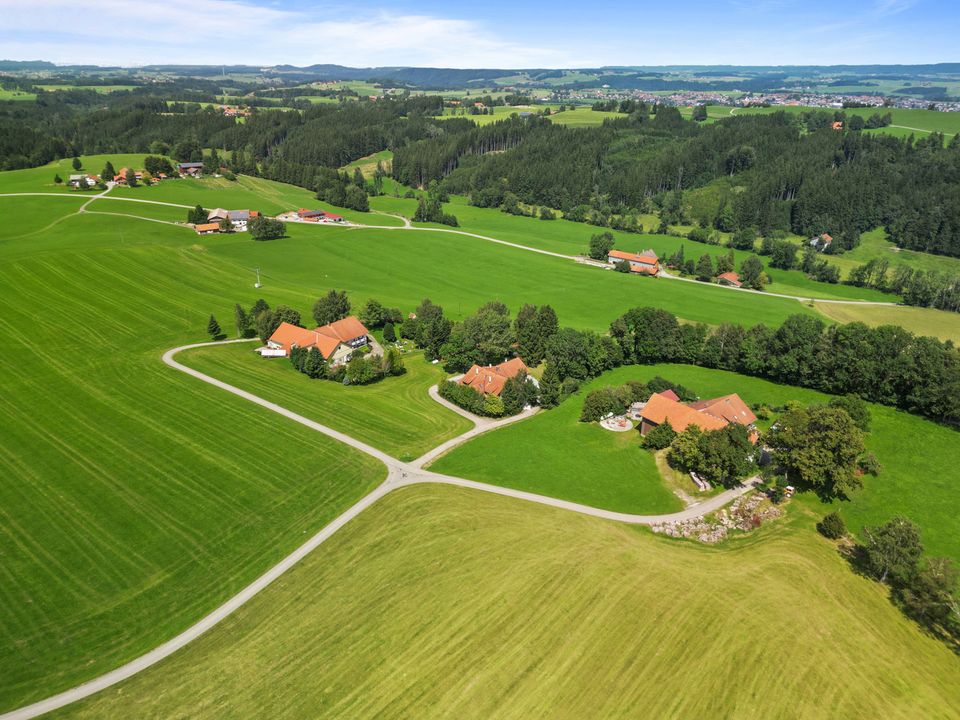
{"points": [[17, 95], [573, 238], [441, 602], [457, 272], [368, 164], [875, 245], [577, 117], [921, 321], [144, 498], [396, 415], [559, 456], [554, 454], [139, 498]]}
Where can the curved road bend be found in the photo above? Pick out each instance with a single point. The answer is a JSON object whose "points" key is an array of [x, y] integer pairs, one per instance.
{"points": [[399, 474]]}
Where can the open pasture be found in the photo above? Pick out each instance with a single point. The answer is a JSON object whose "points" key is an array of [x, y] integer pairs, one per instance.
{"points": [[441, 602], [555, 455]]}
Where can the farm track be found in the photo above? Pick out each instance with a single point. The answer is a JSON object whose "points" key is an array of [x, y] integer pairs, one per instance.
{"points": [[399, 475], [409, 226]]}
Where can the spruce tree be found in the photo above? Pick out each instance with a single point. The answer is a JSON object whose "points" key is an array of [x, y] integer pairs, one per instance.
{"points": [[108, 173], [551, 386], [77, 164], [242, 321], [213, 328]]}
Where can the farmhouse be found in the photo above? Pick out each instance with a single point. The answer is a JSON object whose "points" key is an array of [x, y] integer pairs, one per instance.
{"points": [[77, 180], [821, 242], [207, 228], [310, 215], [190, 169], [730, 278], [713, 414], [336, 341], [490, 380], [645, 263], [238, 218], [121, 177]]}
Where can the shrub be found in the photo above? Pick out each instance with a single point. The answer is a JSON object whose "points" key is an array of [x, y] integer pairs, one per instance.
{"points": [[601, 402], [832, 526], [660, 437]]}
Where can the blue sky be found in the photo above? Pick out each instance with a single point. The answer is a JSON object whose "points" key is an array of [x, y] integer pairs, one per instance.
{"points": [[492, 33]]}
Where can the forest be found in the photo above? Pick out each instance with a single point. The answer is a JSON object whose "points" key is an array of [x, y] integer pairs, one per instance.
{"points": [[771, 173]]}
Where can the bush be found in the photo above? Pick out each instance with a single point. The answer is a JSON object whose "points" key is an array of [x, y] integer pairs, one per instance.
{"points": [[601, 402], [469, 399], [660, 437], [832, 526], [869, 465]]}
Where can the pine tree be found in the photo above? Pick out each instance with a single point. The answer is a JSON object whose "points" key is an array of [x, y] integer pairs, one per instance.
{"points": [[213, 328], [108, 173], [551, 386], [704, 267], [57, 180], [242, 321], [77, 164]]}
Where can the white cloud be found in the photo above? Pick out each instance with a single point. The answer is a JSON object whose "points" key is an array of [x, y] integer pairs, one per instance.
{"points": [[125, 32]]}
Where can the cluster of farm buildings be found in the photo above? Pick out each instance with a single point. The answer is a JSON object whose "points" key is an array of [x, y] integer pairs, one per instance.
{"points": [[183, 170], [336, 341], [714, 414]]}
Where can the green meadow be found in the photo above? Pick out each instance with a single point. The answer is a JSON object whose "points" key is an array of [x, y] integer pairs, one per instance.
{"points": [[395, 415], [552, 453], [441, 602], [144, 498]]}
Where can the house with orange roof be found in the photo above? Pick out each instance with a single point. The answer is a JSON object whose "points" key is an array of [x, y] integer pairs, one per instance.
{"points": [[207, 228], [491, 379], [713, 414], [336, 341], [730, 278], [644, 263]]}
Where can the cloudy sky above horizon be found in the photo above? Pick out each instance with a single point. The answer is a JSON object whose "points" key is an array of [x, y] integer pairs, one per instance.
{"points": [[491, 34]]}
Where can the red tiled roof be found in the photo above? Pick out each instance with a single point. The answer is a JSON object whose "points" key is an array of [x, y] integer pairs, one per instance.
{"points": [[204, 227], [660, 408], [287, 335], [729, 407], [730, 277], [671, 394], [633, 257], [343, 330], [490, 380]]}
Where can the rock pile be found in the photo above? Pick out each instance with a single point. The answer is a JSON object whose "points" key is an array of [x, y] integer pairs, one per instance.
{"points": [[745, 514]]}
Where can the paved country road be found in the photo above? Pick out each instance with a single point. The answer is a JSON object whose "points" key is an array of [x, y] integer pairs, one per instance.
{"points": [[399, 474]]}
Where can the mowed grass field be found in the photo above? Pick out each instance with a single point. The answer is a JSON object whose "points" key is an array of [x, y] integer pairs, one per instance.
{"points": [[396, 415], [142, 497], [401, 267], [875, 245], [572, 238], [137, 499], [922, 321], [554, 454], [477, 606]]}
